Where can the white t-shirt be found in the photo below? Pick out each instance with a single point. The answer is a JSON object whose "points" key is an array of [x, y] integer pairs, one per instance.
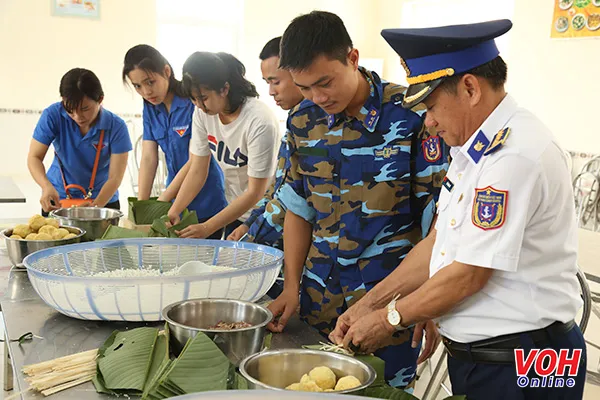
{"points": [[511, 210], [246, 147]]}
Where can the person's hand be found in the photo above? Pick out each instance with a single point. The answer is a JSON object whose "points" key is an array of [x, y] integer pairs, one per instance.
{"points": [[432, 339], [283, 307], [197, 231], [369, 333], [349, 317], [49, 200], [238, 233], [173, 216]]}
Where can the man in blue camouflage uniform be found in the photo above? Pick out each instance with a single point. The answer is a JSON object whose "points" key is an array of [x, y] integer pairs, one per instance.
{"points": [[362, 185], [265, 224]]}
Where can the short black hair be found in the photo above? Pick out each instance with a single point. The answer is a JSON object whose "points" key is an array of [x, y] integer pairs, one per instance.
{"points": [[271, 49], [78, 83], [148, 59], [312, 35], [212, 71], [494, 72]]}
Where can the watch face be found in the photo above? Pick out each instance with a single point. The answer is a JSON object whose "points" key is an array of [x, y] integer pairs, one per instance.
{"points": [[394, 318]]}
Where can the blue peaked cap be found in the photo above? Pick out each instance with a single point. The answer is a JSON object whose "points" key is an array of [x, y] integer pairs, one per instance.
{"points": [[428, 55]]}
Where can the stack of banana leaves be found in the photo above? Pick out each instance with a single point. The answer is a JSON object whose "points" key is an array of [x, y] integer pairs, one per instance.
{"points": [[146, 212], [138, 363]]}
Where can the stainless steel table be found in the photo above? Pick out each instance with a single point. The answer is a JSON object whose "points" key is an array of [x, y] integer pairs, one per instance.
{"points": [[25, 312], [9, 191]]}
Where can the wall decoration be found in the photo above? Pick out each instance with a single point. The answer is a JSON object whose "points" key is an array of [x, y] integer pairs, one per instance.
{"points": [[576, 18], [76, 8]]}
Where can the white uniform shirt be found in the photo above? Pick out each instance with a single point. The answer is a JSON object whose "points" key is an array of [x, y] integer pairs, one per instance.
{"points": [[530, 242], [246, 147]]}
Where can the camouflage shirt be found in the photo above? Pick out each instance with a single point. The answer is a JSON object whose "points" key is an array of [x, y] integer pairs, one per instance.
{"points": [[266, 220], [368, 184]]}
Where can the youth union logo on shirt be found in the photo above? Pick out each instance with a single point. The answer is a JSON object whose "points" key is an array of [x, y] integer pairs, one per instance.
{"points": [[223, 154], [95, 145], [181, 130]]}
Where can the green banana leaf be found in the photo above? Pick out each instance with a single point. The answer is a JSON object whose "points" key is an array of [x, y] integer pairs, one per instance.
{"points": [[159, 226], [124, 362], [159, 356], [144, 212], [116, 232], [201, 367]]}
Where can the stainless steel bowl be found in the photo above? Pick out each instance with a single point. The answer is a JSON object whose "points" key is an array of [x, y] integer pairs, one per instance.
{"points": [[186, 318], [93, 220], [18, 249], [265, 395], [278, 369]]}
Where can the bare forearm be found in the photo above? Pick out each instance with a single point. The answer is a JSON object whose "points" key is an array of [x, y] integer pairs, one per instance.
{"points": [[412, 272], [38, 172], [116, 171], [233, 211], [189, 189], [296, 245], [107, 192], [146, 177], [440, 294], [173, 189]]}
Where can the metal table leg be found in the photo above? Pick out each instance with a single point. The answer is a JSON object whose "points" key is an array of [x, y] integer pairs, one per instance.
{"points": [[8, 369]]}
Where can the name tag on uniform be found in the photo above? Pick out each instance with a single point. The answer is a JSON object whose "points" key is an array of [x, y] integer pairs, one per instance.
{"points": [[447, 183]]}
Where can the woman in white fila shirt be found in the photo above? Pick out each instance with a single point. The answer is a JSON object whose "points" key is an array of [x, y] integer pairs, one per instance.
{"points": [[239, 130]]}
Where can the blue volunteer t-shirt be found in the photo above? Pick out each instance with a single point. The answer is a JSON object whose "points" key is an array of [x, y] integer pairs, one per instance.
{"points": [[173, 131], [78, 152]]}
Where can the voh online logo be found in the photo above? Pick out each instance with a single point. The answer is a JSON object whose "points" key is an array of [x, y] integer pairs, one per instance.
{"points": [[551, 367]]}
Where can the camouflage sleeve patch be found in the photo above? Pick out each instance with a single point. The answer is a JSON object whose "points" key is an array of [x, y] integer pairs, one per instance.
{"points": [[430, 155]]}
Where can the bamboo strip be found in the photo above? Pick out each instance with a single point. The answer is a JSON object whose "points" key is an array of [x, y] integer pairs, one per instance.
{"points": [[69, 385], [49, 363], [51, 381]]}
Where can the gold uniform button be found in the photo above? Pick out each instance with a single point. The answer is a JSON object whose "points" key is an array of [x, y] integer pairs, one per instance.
{"points": [[443, 253], [453, 222], [459, 176], [437, 325]]}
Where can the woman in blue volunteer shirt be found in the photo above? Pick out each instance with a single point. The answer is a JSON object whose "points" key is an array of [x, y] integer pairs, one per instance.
{"points": [[74, 127], [168, 124]]}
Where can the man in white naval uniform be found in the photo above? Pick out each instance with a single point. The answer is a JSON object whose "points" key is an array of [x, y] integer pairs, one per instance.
{"points": [[498, 272]]}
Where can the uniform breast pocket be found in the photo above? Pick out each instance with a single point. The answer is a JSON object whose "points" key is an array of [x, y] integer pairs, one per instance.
{"points": [[181, 146], [457, 210], [318, 178], [386, 183]]}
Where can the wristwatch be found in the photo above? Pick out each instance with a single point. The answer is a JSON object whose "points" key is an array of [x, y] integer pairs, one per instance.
{"points": [[394, 317]]}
